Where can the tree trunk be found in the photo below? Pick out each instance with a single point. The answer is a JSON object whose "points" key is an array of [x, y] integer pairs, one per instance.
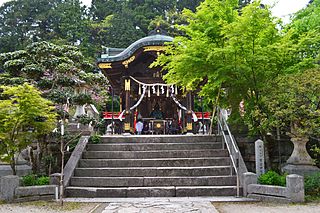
{"points": [[62, 172], [214, 111], [38, 158], [13, 165]]}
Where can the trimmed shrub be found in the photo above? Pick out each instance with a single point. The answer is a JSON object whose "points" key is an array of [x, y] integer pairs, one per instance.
{"points": [[95, 139], [272, 178], [312, 184], [29, 180], [34, 180], [44, 180]]}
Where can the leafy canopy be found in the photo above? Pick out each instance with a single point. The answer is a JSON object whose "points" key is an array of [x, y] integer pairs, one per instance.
{"points": [[24, 115], [237, 56], [293, 103], [55, 69]]}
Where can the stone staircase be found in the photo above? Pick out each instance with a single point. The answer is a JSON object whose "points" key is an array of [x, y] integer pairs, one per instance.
{"points": [[154, 166]]}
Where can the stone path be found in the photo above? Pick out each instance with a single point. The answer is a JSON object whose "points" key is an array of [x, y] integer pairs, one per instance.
{"points": [[158, 206]]}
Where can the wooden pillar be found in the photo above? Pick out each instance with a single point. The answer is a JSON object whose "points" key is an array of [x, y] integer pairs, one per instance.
{"points": [[189, 114], [120, 103], [127, 88]]}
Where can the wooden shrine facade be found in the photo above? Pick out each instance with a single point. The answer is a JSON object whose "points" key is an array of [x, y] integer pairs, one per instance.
{"points": [[143, 93]]}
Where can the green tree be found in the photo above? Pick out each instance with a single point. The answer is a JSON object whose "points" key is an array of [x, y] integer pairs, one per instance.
{"points": [[57, 70], [255, 58], [243, 3], [24, 115], [293, 104], [23, 22], [170, 22], [26, 21], [231, 57], [52, 68], [188, 4], [303, 34], [118, 30], [132, 19], [196, 58], [100, 9]]}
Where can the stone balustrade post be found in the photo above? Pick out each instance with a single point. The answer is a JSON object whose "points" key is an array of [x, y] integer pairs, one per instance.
{"points": [[55, 179], [295, 188], [8, 185], [248, 178]]}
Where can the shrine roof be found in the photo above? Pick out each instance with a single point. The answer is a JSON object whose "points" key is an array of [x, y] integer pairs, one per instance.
{"points": [[126, 53]]}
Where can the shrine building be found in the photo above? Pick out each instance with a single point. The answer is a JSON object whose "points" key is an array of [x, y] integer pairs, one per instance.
{"points": [[144, 96]]}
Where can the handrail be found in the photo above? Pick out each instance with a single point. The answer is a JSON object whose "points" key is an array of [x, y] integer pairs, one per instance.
{"points": [[222, 125], [225, 139], [229, 132]]}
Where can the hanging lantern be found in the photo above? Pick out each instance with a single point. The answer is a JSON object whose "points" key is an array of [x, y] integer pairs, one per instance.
{"points": [[158, 91], [149, 92], [139, 89], [168, 89], [176, 92]]}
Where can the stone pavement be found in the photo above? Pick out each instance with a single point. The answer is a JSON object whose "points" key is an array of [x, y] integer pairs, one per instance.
{"points": [[157, 205], [160, 207]]}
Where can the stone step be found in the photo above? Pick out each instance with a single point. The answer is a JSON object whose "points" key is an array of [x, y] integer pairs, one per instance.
{"points": [[153, 146], [192, 191], [161, 139], [153, 181], [164, 191], [155, 162], [153, 171], [155, 154]]}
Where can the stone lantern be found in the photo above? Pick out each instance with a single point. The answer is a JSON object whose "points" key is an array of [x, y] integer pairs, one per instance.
{"points": [[300, 161], [81, 88]]}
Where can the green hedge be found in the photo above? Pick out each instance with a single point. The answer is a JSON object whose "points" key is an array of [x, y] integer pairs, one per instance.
{"points": [[95, 139], [272, 178], [35, 180], [312, 184]]}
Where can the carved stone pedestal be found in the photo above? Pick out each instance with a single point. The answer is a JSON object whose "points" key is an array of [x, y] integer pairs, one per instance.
{"points": [[300, 161]]}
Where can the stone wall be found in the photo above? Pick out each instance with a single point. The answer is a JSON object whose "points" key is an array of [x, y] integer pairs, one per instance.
{"points": [[11, 191], [293, 192], [32, 193]]}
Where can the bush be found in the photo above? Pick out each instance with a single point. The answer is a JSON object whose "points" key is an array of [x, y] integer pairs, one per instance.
{"points": [[95, 139], [272, 178], [44, 180], [312, 184], [29, 180], [85, 120], [34, 180]]}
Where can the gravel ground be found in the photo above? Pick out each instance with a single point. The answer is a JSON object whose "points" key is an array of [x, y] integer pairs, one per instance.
{"points": [[267, 208], [47, 207]]}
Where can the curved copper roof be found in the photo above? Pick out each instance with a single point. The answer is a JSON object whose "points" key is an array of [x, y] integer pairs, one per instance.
{"points": [[146, 41]]}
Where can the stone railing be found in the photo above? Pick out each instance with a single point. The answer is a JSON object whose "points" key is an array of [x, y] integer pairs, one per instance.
{"points": [[293, 192], [235, 156], [11, 191], [32, 193], [74, 159]]}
